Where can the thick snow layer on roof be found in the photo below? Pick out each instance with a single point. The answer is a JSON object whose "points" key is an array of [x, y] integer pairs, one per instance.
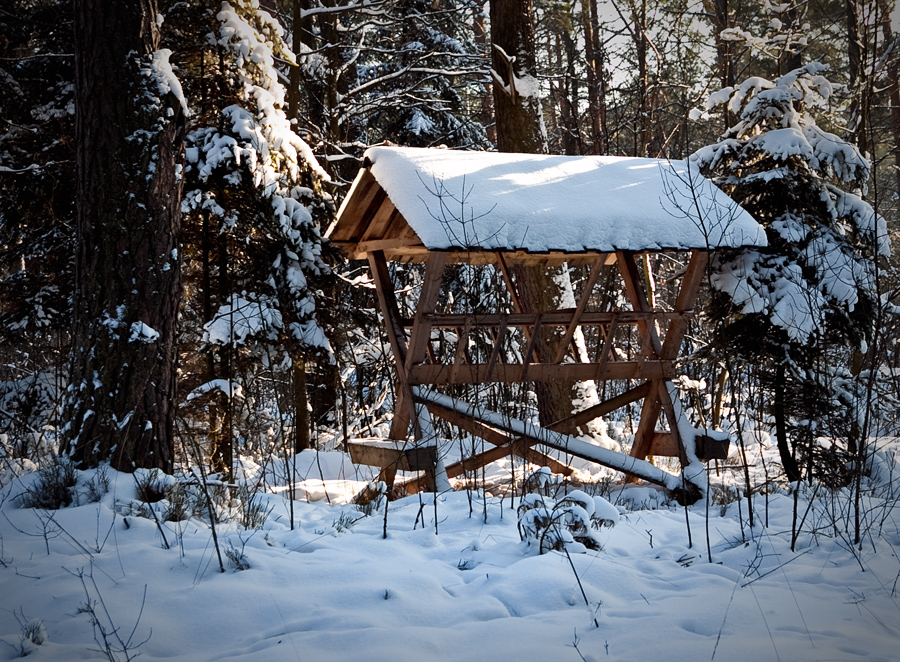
{"points": [[540, 203]]}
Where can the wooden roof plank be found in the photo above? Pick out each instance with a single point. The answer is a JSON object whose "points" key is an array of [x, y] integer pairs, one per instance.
{"points": [[364, 196], [380, 220]]}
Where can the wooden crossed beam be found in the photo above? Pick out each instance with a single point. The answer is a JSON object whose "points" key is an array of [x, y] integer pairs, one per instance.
{"points": [[655, 364]]}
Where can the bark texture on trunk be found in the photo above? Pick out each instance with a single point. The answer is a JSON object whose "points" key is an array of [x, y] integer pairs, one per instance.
{"points": [[788, 461], [129, 138], [596, 86], [891, 39], [721, 19], [517, 104]]}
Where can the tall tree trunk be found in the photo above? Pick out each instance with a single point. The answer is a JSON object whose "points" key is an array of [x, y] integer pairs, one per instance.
{"points": [[892, 41], [520, 128], [859, 82], [566, 90], [596, 86], [792, 56], [791, 468], [517, 104], [129, 137], [293, 91], [486, 111], [642, 143], [217, 406], [717, 10]]}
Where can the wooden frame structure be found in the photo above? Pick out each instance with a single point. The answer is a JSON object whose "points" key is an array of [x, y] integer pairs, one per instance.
{"points": [[370, 226]]}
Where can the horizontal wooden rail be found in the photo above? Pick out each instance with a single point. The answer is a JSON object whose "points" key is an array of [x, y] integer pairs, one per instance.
{"points": [[509, 373], [555, 318]]}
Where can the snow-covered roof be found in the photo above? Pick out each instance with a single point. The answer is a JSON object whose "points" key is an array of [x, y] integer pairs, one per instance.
{"points": [[539, 203]]}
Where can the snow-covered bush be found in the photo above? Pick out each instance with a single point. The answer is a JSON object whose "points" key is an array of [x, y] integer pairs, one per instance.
{"points": [[53, 487], [34, 634], [778, 164], [799, 308], [571, 523]]}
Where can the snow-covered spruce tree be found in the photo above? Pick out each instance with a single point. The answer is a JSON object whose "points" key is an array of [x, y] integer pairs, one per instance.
{"points": [[805, 303], [422, 68], [253, 207], [399, 71]]}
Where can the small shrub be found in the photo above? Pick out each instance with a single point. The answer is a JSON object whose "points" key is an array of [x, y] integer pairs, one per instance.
{"points": [[97, 486], [541, 482], [179, 507], [722, 495], [237, 557], [345, 522], [33, 634], [151, 486], [371, 498], [53, 488], [253, 514], [832, 466], [571, 523]]}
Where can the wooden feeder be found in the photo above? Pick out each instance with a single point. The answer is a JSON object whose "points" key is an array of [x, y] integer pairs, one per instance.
{"points": [[444, 207]]}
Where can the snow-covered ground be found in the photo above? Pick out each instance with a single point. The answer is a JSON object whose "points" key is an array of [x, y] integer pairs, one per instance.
{"points": [[332, 588]]}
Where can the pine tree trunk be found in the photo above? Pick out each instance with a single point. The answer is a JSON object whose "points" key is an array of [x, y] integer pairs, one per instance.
{"points": [[718, 13], [644, 108], [520, 128], [791, 469], [122, 381], [595, 81], [486, 110], [293, 91], [791, 56], [891, 39]]}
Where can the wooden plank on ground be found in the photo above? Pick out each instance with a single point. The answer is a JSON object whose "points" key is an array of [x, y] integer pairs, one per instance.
{"points": [[505, 443]]}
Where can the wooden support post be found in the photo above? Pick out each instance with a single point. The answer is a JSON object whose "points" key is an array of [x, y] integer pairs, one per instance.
{"points": [[510, 286], [660, 399], [568, 425], [603, 359], [420, 335], [498, 347], [510, 373], [652, 347], [684, 303], [526, 359], [405, 407], [460, 354]]}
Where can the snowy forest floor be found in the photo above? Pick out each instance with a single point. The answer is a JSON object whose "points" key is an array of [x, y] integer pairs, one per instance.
{"points": [[331, 588]]}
